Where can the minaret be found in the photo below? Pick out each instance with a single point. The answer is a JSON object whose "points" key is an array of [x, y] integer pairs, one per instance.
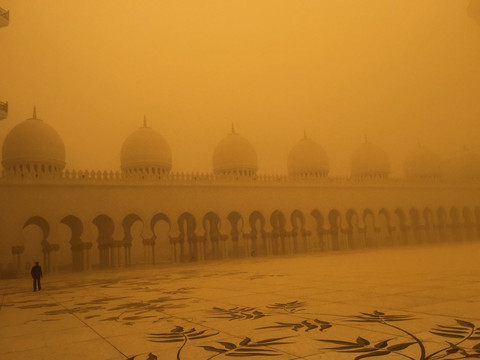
{"points": [[4, 20]]}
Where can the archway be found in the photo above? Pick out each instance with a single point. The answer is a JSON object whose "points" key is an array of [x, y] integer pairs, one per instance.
{"points": [[187, 238], [236, 224], [160, 227], [79, 249], [442, 224], [469, 225], [300, 235], [429, 219], [402, 227], [457, 234], [353, 233], [385, 228], [257, 234], [105, 227], [334, 221], [416, 226], [322, 244], [35, 246], [279, 234], [370, 233], [132, 244], [214, 242]]}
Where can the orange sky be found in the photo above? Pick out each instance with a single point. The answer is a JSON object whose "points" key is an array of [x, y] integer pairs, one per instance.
{"points": [[398, 71]]}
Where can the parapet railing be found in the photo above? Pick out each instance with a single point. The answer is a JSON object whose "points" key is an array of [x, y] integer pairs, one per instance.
{"points": [[196, 178]]}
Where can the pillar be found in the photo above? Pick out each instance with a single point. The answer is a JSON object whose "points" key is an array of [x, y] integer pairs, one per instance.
{"points": [[267, 239]]}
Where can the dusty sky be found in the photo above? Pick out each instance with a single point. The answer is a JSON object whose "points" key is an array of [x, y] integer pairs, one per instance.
{"points": [[398, 71]]}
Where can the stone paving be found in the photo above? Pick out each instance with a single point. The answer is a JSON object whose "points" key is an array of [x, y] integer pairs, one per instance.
{"points": [[402, 303]]}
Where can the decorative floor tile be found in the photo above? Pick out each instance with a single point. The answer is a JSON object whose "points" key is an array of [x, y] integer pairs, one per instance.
{"points": [[311, 307]]}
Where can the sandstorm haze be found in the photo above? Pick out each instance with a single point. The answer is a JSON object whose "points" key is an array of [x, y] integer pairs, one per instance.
{"points": [[397, 71]]}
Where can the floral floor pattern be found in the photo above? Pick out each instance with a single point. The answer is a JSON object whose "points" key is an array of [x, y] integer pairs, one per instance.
{"points": [[419, 303]]}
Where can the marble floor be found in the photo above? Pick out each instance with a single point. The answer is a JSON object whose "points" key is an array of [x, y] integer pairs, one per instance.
{"points": [[418, 302]]}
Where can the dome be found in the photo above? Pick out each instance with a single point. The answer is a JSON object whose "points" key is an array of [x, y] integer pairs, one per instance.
{"points": [[35, 146], [307, 159], [145, 151], [369, 161], [422, 163], [235, 155]]}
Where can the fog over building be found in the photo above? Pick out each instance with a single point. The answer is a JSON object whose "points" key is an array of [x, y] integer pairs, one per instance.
{"points": [[144, 213], [181, 237]]}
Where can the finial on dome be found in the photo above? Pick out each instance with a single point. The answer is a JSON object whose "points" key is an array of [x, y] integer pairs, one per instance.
{"points": [[144, 121], [34, 112], [233, 128], [366, 139]]}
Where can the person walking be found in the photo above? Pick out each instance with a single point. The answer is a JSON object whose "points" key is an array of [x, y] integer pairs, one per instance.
{"points": [[36, 273]]}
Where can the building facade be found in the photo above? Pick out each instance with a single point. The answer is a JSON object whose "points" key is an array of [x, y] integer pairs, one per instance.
{"points": [[145, 214]]}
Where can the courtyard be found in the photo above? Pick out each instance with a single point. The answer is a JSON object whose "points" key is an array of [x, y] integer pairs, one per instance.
{"points": [[419, 302]]}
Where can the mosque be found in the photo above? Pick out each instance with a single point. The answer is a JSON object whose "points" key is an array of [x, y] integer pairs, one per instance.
{"points": [[145, 213]]}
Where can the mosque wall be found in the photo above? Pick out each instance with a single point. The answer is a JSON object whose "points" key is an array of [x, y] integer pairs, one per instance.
{"points": [[62, 223], [146, 214]]}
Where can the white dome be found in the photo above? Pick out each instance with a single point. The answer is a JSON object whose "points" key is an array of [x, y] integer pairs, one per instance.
{"points": [[307, 159], [33, 143], [235, 155], [422, 163], [145, 149], [369, 161]]}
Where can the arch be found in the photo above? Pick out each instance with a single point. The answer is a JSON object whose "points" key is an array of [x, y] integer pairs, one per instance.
{"points": [[236, 226], [297, 220], [402, 226], [41, 223], [257, 235], [456, 224], [429, 220], [160, 228], [105, 227], [353, 231], [31, 252], [187, 238], [442, 224], [369, 229], [129, 222], [334, 220], [236, 222], [277, 220], [416, 226], [213, 248], [385, 227], [319, 229], [78, 247], [468, 223]]}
